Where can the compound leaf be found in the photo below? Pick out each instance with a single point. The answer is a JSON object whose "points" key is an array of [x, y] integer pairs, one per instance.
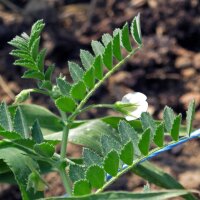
{"points": [[44, 149], [64, 86], [159, 135], [127, 153], [91, 158], [176, 127], [76, 172], [148, 122], [169, 117], [144, 142], [78, 90], [76, 71], [136, 30], [190, 116], [89, 78], [36, 132], [116, 47], [20, 124], [107, 56], [109, 144], [98, 68], [81, 187], [66, 104], [106, 39], [5, 118], [125, 38], [87, 59], [96, 176], [111, 163], [97, 47]]}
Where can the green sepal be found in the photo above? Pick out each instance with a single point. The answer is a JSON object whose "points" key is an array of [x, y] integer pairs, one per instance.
{"points": [[111, 163], [96, 176]]}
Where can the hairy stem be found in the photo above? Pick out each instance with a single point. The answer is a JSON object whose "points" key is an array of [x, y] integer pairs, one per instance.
{"points": [[96, 106], [66, 180], [64, 136], [98, 84], [63, 174]]}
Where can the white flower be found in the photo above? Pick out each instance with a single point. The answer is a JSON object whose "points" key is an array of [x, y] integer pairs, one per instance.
{"points": [[132, 105]]}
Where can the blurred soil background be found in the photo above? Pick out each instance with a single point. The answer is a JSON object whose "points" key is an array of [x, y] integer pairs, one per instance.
{"points": [[167, 69]]}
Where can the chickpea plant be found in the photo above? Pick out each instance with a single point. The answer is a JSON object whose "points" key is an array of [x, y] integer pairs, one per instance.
{"points": [[111, 145]]}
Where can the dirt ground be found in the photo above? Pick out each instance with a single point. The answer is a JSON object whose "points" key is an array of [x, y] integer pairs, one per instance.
{"points": [[167, 69]]}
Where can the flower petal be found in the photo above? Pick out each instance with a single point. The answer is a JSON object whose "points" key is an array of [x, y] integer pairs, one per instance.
{"points": [[137, 112], [134, 98]]}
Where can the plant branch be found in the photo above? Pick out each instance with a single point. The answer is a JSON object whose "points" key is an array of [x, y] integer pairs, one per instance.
{"points": [[96, 106], [97, 85], [137, 161]]}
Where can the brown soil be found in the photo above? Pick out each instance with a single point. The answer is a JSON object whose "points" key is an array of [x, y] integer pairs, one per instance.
{"points": [[166, 70]]}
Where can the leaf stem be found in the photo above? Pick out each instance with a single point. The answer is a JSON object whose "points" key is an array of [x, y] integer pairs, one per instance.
{"points": [[98, 84]]}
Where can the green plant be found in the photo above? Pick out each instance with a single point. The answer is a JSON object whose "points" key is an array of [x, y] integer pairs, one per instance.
{"points": [[112, 146]]}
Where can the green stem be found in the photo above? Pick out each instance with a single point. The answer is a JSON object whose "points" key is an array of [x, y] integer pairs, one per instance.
{"points": [[66, 181], [98, 84], [96, 106], [63, 174], [64, 136]]}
